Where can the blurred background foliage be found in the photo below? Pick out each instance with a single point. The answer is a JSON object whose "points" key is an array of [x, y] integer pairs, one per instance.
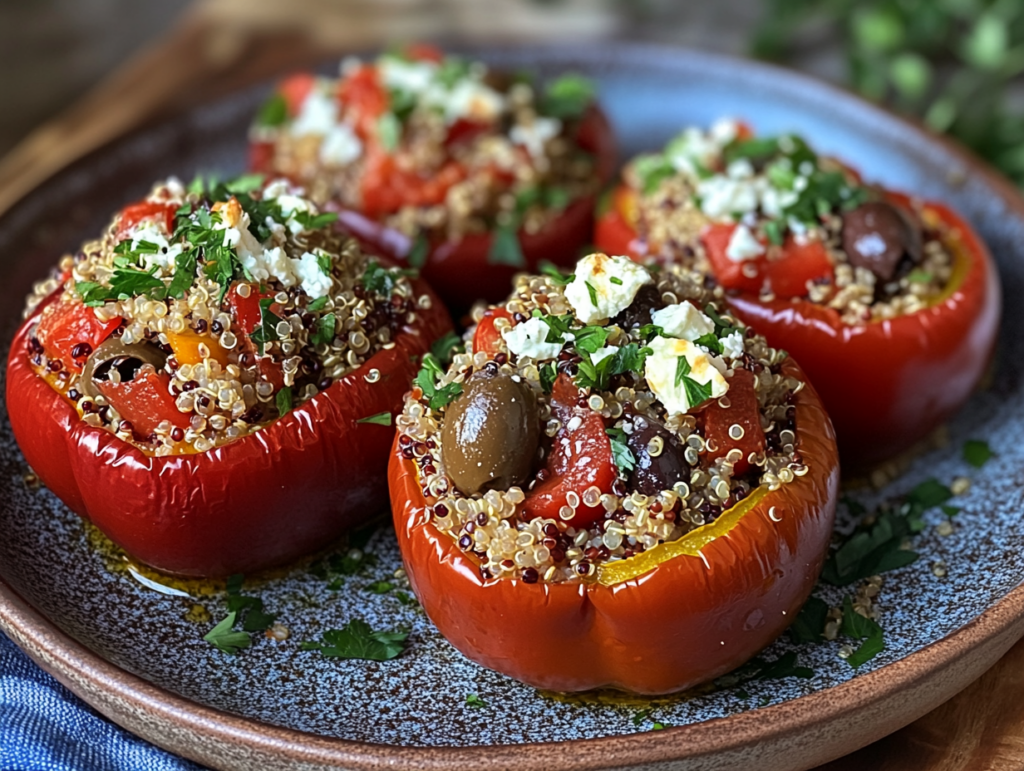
{"points": [[955, 64]]}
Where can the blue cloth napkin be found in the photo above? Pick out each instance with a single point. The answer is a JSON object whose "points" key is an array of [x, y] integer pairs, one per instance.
{"points": [[45, 727]]}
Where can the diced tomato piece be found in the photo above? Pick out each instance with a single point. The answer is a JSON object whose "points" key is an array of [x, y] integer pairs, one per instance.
{"points": [[464, 130], [386, 187], [486, 336], [785, 274], [799, 264], [580, 458], [261, 157], [743, 411], [362, 95], [295, 89], [145, 401], [424, 52], [64, 325], [133, 214]]}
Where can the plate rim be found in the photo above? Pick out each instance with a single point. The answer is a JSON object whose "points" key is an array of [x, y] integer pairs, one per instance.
{"points": [[999, 626]]}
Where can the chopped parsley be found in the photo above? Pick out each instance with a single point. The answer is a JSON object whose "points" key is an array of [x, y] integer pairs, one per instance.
{"points": [[556, 276], [427, 382], [323, 333], [567, 97], [548, 376], [224, 638], [861, 628], [696, 393], [380, 587], [977, 452], [273, 113], [592, 292], [317, 305], [505, 247], [628, 358], [323, 261], [378, 279], [284, 401], [652, 170], [621, 454], [266, 331], [787, 665], [810, 621], [590, 339], [472, 700], [358, 640], [380, 419], [445, 348], [254, 618], [418, 251]]}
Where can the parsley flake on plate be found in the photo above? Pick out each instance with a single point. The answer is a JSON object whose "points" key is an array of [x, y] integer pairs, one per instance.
{"points": [[358, 640]]}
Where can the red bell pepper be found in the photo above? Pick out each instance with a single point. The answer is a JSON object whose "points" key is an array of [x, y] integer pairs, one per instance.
{"points": [[887, 384], [265, 499], [670, 618], [70, 331], [743, 411], [145, 402], [133, 214], [580, 457]]}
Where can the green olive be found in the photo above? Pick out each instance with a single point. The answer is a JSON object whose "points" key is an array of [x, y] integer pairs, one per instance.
{"points": [[491, 434], [127, 359]]}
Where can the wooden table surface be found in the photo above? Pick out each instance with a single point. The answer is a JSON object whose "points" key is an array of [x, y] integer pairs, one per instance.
{"points": [[221, 45]]}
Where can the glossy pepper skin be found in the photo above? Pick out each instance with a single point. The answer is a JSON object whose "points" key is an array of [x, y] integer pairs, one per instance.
{"points": [[886, 384], [260, 501], [461, 270], [660, 622]]}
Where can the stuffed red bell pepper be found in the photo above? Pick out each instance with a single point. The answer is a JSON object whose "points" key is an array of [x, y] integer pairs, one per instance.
{"points": [[617, 484], [891, 304], [469, 173], [211, 382]]}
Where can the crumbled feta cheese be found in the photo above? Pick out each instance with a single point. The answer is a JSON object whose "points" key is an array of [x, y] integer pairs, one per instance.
{"points": [[743, 245], [341, 146], [469, 98], [732, 345], [528, 339], [165, 253], [724, 130], [663, 363], [774, 200], [603, 353], [741, 168], [318, 113], [604, 286], [535, 136], [404, 75], [683, 320], [315, 282], [722, 196]]}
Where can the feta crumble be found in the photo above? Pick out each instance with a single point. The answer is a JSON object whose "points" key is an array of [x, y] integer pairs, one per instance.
{"points": [[604, 286], [743, 245], [663, 363], [528, 339], [683, 320]]}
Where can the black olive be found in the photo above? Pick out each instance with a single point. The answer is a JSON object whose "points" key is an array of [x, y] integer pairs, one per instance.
{"points": [[659, 471], [639, 311], [880, 237], [115, 355], [491, 433]]}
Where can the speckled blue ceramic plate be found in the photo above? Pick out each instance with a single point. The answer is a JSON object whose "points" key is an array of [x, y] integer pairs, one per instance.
{"points": [[138, 654]]}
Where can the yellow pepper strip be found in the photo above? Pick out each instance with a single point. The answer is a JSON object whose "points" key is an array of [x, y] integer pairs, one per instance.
{"points": [[186, 346]]}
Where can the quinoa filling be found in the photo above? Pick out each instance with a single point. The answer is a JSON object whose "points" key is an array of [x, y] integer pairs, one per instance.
{"points": [[434, 146], [751, 209], [594, 416], [204, 314]]}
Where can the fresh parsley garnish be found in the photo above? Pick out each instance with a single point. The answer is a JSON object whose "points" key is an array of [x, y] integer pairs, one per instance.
{"points": [[317, 305], [224, 638], [426, 379], [548, 375], [810, 621], [787, 665], [266, 331], [696, 393], [652, 170], [505, 247], [250, 609], [358, 640], [556, 276], [590, 339], [621, 453], [567, 97], [861, 628], [311, 221], [445, 348], [323, 334], [977, 452], [710, 342], [273, 113], [380, 587], [472, 700], [284, 401], [380, 419], [418, 251], [378, 279], [592, 292]]}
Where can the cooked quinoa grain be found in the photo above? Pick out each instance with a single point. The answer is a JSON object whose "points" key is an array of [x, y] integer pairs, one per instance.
{"points": [[222, 309], [667, 410]]}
